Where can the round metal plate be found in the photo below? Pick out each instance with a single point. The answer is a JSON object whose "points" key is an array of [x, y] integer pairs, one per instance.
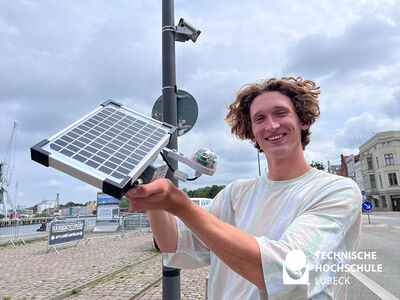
{"points": [[187, 111]]}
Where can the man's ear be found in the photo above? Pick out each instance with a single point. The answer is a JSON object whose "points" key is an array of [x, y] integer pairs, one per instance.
{"points": [[305, 126]]}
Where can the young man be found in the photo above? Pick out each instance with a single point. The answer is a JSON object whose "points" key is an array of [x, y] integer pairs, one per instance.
{"points": [[253, 224]]}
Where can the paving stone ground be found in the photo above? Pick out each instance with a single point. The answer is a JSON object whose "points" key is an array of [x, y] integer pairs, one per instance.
{"points": [[105, 269]]}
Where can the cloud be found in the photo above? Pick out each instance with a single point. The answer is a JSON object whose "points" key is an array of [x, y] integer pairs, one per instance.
{"points": [[53, 183], [60, 60], [392, 107], [357, 130], [364, 45]]}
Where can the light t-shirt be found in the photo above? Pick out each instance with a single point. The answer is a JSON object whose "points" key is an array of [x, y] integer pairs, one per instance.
{"points": [[317, 213]]}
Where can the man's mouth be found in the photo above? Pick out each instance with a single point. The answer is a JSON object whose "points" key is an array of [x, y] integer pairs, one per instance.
{"points": [[275, 137]]}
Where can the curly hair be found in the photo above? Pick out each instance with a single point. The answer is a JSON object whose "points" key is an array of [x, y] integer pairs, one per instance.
{"points": [[303, 94]]}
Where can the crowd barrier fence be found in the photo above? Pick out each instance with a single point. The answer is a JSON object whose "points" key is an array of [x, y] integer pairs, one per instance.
{"points": [[21, 230]]}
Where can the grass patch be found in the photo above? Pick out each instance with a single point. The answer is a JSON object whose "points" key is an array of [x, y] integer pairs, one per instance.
{"points": [[74, 292]]}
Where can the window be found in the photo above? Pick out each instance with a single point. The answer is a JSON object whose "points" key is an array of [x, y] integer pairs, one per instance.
{"points": [[383, 145], [372, 180], [380, 180], [389, 144], [384, 203], [376, 202], [369, 161], [392, 179], [389, 159], [377, 162], [365, 181]]}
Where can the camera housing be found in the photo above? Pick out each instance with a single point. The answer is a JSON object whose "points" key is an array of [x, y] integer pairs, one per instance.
{"points": [[185, 31]]}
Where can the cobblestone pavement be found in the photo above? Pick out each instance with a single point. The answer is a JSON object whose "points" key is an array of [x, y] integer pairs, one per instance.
{"points": [[105, 269], [193, 286]]}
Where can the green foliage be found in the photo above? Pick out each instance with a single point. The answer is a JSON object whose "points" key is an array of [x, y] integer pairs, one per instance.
{"points": [[70, 203], [206, 192], [124, 203], [43, 214], [318, 165]]}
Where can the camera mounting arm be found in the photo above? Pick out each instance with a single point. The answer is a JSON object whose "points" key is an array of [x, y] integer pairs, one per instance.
{"points": [[203, 161]]}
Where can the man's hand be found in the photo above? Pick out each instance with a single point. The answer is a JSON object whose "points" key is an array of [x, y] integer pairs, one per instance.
{"points": [[162, 200], [161, 194]]}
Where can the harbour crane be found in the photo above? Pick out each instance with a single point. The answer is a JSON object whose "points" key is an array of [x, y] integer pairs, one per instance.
{"points": [[6, 169]]}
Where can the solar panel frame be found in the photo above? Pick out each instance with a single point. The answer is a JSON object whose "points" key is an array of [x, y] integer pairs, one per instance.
{"points": [[105, 159]]}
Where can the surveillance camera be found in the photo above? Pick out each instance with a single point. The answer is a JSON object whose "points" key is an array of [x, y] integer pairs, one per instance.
{"points": [[185, 31]]}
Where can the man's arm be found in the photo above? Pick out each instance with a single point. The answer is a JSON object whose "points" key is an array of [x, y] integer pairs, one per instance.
{"points": [[234, 247], [164, 228]]}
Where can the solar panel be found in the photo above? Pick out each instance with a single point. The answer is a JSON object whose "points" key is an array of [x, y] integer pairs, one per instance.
{"points": [[109, 148]]}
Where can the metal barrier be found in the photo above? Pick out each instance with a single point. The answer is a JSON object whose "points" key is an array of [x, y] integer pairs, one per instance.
{"points": [[13, 231], [135, 223]]}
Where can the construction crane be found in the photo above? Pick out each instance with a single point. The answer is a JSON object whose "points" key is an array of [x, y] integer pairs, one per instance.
{"points": [[6, 169]]}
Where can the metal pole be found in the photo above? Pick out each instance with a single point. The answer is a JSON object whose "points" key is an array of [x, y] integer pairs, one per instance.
{"points": [[171, 276], [258, 159]]}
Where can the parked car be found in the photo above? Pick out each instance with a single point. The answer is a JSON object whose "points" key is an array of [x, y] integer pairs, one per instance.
{"points": [[201, 201]]}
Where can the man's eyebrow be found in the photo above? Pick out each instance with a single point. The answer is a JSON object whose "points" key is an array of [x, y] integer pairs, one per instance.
{"points": [[277, 107], [281, 107]]}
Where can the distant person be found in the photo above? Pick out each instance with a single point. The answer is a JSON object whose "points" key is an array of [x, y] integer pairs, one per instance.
{"points": [[253, 224]]}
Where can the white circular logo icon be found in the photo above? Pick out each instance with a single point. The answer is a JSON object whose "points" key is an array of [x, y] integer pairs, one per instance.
{"points": [[295, 264], [295, 260]]}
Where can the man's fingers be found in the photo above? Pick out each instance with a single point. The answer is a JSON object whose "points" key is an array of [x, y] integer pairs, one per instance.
{"points": [[145, 190]]}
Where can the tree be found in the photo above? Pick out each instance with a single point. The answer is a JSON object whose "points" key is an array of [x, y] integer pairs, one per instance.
{"points": [[70, 203], [318, 165], [204, 192], [42, 214], [124, 202]]}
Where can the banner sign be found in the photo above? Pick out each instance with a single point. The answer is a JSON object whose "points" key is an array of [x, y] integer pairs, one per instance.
{"points": [[66, 231], [107, 208], [106, 199]]}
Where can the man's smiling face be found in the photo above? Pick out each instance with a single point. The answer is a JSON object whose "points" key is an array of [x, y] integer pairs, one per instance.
{"points": [[276, 126]]}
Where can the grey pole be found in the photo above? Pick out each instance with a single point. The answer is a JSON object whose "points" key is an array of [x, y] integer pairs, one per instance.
{"points": [[171, 276]]}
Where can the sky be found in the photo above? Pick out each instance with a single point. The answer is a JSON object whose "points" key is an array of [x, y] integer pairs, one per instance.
{"points": [[59, 60]]}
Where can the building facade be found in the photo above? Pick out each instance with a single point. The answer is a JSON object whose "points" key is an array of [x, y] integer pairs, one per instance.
{"points": [[46, 204], [74, 211], [91, 208], [378, 170], [334, 169], [350, 163]]}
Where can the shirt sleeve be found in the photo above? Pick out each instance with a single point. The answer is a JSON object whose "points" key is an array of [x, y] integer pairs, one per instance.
{"points": [[191, 252], [331, 223]]}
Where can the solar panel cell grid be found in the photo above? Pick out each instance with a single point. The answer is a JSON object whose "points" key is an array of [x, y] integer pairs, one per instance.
{"points": [[110, 141]]}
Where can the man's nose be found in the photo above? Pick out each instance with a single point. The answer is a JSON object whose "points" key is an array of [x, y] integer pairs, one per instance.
{"points": [[271, 124]]}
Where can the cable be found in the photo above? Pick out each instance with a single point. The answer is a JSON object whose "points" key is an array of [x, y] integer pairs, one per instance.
{"points": [[166, 161], [172, 170]]}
